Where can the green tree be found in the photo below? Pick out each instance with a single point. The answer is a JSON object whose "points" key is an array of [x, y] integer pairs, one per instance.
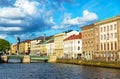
{"points": [[4, 44]]}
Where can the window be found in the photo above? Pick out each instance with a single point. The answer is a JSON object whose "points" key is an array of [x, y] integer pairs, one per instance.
{"points": [[78, 48], [115, 26], [107, 28], [101, 29], [107, 46], [104, 29], [104, 46], [111, 46], [104, 36], [78, 41], [111, 27], [97, 47]]}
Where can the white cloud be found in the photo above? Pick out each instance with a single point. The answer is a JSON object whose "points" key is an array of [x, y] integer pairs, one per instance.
{"points": [[10, 29], [87, 17], [10, 12], [58, 27], [55, 27], [22, 9], [10, 21], [68, 21], [29, 7]]}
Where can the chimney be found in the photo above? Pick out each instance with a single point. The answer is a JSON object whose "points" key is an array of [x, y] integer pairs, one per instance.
{"points": [[44, 38]]}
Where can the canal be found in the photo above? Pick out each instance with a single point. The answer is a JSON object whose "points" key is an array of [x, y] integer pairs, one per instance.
{"points": [[55, 71]]}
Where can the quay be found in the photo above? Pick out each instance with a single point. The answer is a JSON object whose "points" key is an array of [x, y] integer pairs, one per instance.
{"points": [[115, 65]]}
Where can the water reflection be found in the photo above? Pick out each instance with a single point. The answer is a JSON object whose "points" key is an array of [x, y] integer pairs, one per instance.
{"points": [[55, 71]]}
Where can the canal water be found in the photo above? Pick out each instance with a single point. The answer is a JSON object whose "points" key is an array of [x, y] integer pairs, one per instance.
{"points": [[55, 71]]}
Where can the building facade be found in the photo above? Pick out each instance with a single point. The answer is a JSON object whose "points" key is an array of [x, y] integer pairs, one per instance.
{"points": [[88, 41], [34, 46], [109, 39], [27, 46], [73, 46], [50, 47], [13, 49], [21, 48], [58, 42], [43, 49]]}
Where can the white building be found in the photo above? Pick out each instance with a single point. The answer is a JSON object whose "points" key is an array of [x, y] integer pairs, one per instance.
{"points": [[73, 46]]}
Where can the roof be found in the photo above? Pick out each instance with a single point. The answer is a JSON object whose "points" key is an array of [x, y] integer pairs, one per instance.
{"points": [[111, 19], [87, 26], [72, 37]]}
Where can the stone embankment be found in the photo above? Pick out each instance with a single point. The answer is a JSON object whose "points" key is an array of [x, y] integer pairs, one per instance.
{"points": [[91, 63]]}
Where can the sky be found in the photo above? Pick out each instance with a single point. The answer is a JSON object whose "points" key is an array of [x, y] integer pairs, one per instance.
{"points": [[28, 19]]}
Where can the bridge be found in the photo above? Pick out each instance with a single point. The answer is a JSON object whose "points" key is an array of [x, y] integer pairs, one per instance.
{"points": [[24, 58]]}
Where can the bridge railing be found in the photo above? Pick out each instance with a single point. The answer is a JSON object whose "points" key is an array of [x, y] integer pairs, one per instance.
{"points": [[15, 56]]}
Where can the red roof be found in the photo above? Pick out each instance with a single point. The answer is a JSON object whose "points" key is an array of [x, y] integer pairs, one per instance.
{"points": [[74, 37]]}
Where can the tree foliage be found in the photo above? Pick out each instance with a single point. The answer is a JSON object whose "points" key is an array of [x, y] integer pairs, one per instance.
{"points": [[4, 44]]}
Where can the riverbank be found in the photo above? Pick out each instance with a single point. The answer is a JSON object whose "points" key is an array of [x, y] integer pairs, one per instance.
{"points": [[91, 63]]}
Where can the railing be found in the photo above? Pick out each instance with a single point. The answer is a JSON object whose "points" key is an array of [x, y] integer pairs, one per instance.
{"points": [[15, 56]]}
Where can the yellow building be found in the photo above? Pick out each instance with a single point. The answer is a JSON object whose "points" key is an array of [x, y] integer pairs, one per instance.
{"points": [[58, 42], [13, 49], [27, 46], [43, 45], [21, 48]]}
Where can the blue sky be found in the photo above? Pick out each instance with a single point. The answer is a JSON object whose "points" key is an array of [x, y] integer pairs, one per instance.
{"points": [[32, 18]]}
